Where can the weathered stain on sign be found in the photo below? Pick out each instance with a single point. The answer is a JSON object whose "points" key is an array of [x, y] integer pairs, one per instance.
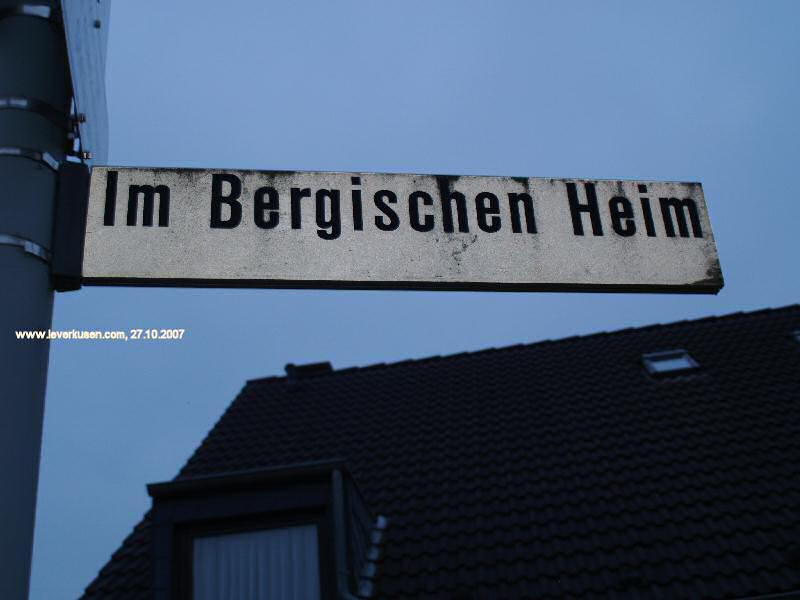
{"points": [[199, 227]]}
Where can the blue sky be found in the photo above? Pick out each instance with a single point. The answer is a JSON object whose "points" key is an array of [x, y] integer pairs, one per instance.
{"points": [[694, 90]]}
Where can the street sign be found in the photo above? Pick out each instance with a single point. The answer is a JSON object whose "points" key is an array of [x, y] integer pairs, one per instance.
{"points": [[205, 227], [86, 24]]}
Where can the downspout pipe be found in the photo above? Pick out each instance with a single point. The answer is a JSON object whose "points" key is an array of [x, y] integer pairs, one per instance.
{"points": [[340, 537]]}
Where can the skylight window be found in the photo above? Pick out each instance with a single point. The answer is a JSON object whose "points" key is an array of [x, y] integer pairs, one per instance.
{"points": [[666, 363]]}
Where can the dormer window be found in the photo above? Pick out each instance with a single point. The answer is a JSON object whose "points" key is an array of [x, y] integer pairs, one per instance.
{"points": [[300, 532], [271, 564], [669, 362]]}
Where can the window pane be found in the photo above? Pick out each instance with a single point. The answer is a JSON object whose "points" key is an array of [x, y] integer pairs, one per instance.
{"points": [[668, 362], [671, 364], [276, 564]]}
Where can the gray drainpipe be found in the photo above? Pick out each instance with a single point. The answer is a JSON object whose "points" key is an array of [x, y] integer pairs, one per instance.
{"points": [[339, 537]]}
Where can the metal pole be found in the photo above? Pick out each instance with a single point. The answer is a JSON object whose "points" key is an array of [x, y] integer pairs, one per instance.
{"points": [[34, 98]]}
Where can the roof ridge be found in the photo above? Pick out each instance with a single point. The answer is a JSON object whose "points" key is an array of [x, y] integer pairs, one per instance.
{"points": [[568, 339]]}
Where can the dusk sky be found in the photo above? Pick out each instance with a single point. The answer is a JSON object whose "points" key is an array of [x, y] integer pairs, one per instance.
{"points": [[693, 90]]}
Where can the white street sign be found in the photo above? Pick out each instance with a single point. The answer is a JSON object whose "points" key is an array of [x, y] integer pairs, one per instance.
{"points": [[198, 227]]}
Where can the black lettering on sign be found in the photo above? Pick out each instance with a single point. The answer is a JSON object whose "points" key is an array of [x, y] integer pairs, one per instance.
{"points": [[231, 200], [576, 208], [487, 205], [514, 200], [148, 193], [447, 212], [418, 222], [388, 221], [622, 216], [298, 194], [266, 212], [329, 229], [649, 224], [358, 219], [679, 208], [111, 198]]}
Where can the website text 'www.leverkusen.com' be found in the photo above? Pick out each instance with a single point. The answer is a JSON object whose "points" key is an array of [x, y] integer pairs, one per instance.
{"points": [[78, 334]]}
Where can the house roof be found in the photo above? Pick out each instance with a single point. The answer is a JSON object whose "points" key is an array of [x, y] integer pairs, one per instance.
{"points": [[561, 469]]}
